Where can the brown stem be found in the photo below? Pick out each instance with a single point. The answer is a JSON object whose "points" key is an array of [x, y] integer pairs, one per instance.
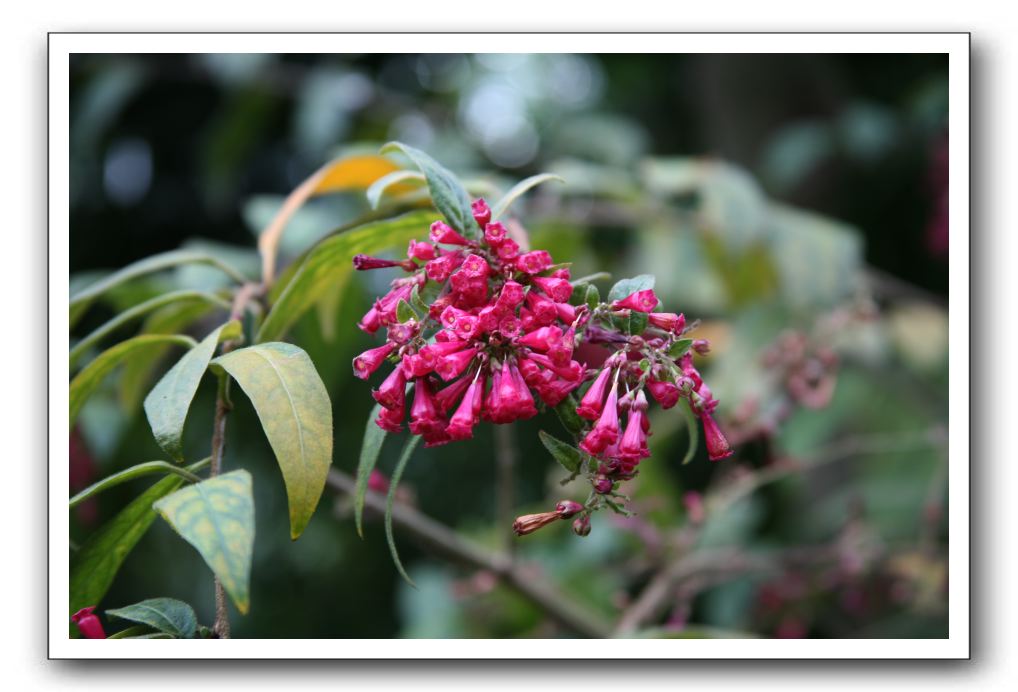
{"points": [[442, 540], [244, 295]]}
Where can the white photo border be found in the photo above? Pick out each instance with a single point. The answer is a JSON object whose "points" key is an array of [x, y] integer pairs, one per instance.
{"points": [[955, 45]]}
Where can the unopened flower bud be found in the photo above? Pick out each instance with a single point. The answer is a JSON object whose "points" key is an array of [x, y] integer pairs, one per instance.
{"points": [[581, 526], [701, 346], [88, 623], [529, 523], [602, 484], [481, 211], [567, 508]]}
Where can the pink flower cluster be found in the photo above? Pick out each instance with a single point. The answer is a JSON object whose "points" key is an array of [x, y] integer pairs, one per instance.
{"points": [[497, 339], [499, 333]]}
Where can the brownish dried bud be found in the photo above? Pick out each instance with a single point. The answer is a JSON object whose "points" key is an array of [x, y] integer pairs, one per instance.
{"points": [[529, 523]]}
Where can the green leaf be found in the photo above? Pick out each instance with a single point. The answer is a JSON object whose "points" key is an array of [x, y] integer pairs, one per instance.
{"points": [[137, 376], [447, 193], [627, 287], [95, 564], [138, 311], [371, 446], [566, 412], [416, 302], [330, 263], [81, 300], [167, 615], [592, 297], [637, 322], [379, 187], [404, 313], [133, 632], [519, 189], [167, 404], [86, 381], [296, 414], [216, 516], [136, 471], [693, 429], [565, 454], [404, 457], [679, 348]]}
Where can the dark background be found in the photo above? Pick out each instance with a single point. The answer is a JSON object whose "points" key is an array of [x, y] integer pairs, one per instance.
{"points": [[168, 149]]}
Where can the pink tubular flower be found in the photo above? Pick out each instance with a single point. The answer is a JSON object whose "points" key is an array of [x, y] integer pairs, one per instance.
{"points": [[392, 393], [554, 391], [451, 366], [424, 417], [481, 212], [561, 351], [571, 371], [420, 251], [566, 312], [364, 262], [390, 419], [668, 321], [495, 234], [508, 249], [510, 297], [443, 233], [88, 623], [440, 268], [592, 402], [369, 361], [567, 508], [664, 392], [606, 430], [641, 301], [461, 425], [542, 338], [715, 441], [559, 290], [445, 398], [534, 262], [634, 441], [370, 322], [545, 310]]}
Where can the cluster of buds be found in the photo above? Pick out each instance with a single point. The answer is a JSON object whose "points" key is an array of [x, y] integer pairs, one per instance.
{"points": [[479, 330]]}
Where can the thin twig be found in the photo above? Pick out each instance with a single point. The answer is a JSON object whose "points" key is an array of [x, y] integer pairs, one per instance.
{"points": [[244, 295], [450, 545]]}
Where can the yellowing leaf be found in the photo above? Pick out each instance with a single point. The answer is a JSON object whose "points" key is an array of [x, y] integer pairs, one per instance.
{"points": [[296, 415], [216, 516], [351, 173]]}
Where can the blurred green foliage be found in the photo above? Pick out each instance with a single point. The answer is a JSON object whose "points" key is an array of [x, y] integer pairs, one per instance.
{"points": [[767, 194]]}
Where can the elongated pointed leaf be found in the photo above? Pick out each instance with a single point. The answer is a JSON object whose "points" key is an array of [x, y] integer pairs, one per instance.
{"points": [[136, 471], [81, 300], [296, 414], [397, 179], [627, 287], [216, 516], [565, 454], [374, 436], [86, 381], [347, 173], [167, 404], [138, 311], [138, 374], [447, 193], [331, 263], [97, 561], [519, 189], [404, 457], [167, 615]]}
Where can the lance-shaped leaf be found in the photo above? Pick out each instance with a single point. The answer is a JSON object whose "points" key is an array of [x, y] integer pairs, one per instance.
{"points": [[96, 562], [129, 474], [81, 300], [296, 414], [565, 454], [397, 474], [86, 381], [348, 173], [397, 179], [374, 436], [331, 263], [167, 404], [627, 287], [447, 193], [519, 189], [167, 615], [216, 516]]}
